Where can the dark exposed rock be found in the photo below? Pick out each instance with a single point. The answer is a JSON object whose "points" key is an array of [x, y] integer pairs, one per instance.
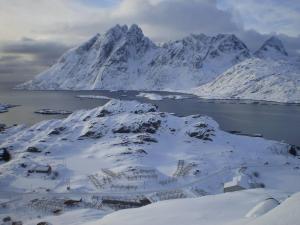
{"points": [[86, 118], [203, 133], [57, 131], [6, 219], [294, 150], [71, 202], [23, 165], [148, 127], [201, 125], [33, 150], [126, 153], [2, 127], [122, 129], [57, 211], [141, 151], [43, 223], [5, 155], [147, 138], [103, 113], [16, 223], [90, 134]]}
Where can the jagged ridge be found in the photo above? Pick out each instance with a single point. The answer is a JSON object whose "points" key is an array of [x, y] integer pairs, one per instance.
{"points": [[123, 58]]}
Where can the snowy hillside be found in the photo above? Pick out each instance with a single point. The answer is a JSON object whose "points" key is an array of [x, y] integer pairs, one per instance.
{"points": [[258, 79], [224, 209], [123, 58], [130, 152], [271, 76]]}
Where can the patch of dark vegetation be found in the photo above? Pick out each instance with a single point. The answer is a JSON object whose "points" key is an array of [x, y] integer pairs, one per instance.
{"points": [[103, 113], [33, 149], [5, 155]]}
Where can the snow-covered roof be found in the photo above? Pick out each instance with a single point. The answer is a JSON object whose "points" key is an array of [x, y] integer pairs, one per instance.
{"points": [[240, 180]]}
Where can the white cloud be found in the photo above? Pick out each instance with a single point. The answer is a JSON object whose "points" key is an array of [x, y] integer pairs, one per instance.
{"points": [[71, 20], [268, 16]]}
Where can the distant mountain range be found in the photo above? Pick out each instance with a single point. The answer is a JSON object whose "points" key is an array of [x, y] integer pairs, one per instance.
{"points": [[218, 66]]}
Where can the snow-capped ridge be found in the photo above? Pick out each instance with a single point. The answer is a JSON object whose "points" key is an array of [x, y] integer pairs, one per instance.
{"points": [[272, 48], [124, 58], [256, 79]]}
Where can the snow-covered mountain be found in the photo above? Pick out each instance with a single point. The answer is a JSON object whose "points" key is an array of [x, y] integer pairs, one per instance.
{"points": [[123, 58], [270, 76], [213, 67], [273, 49]]}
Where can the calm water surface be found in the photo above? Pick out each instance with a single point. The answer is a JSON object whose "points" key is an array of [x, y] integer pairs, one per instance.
{"points": [[274, 121]]}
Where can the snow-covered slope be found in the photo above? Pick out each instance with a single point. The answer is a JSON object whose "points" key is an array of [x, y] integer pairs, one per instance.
{"points": [[258, 79], [223, 209], [271, 76], [128, 151], [121, 136], [123, 58]]}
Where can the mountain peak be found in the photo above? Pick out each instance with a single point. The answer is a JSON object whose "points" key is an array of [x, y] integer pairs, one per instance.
{"points": [[272, 48]]}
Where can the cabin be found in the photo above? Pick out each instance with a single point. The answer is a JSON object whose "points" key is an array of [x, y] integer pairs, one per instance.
{"points": [[238, 183], [41, 169]]}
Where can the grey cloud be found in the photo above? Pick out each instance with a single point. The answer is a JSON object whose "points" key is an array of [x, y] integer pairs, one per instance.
{"points": [[23, 59], [44, 52]]}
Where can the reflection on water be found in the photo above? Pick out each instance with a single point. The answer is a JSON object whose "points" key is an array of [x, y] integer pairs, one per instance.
{"points": [[279, 122]]}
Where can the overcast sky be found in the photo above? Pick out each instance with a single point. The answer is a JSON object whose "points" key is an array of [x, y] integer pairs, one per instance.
{"points": [[34, 33]]}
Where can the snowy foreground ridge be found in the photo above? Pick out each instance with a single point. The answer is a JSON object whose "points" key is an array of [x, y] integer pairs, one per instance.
{"points": [[123, 58], [127, 154]]}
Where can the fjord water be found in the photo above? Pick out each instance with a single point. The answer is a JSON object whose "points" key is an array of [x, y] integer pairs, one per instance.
{"points": [[273, 121]]}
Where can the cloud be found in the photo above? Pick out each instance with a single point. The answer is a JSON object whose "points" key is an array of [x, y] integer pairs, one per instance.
{"points": [[28, 57], [53, 26], [268, 16], [43, 51]]}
